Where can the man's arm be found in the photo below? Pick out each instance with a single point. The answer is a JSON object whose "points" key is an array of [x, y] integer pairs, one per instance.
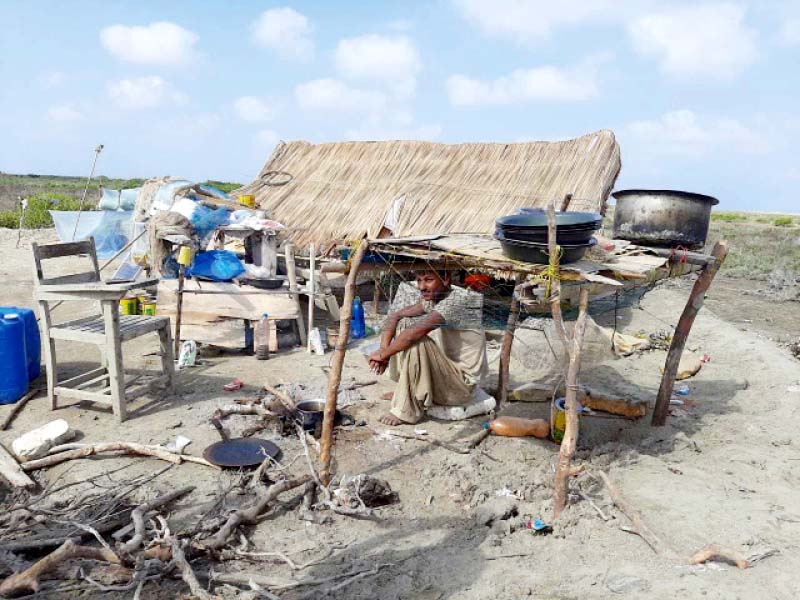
{"points": [[390, 326], [404, 340]]}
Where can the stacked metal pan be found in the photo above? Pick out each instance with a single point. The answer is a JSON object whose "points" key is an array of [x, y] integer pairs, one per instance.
{"points": [[523, 236]]}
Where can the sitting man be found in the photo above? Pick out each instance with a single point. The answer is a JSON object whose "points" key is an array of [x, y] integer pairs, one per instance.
{"points": [[430, 372]]}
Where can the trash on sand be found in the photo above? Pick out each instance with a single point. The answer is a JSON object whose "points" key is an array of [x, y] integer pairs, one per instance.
{"points": [[188, 354], [480, 403], [537, 526], [178, 444], [421, 431], [681, 390], [233, 386], [36, 442], [689, 365], [705, 358], [315, 342], [519, 427]]}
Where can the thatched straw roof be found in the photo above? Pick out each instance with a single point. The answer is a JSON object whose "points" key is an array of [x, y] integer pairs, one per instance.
{"points": [[338, 190]]}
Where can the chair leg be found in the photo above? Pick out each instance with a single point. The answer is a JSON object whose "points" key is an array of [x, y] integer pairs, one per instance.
{"points": [[49, 347], [167, 356], [116, 371]]}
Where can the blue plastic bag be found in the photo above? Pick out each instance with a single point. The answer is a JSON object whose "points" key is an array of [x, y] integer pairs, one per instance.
{"points": [[205, 220], [216, 265]]}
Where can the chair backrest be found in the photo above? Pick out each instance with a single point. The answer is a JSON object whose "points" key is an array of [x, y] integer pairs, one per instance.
{"points": [[84, 248]]}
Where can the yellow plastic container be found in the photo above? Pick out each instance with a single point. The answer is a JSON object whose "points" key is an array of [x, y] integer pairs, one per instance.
{"points": [[149, 308], [559, 419], [185, 256], [129, 306], [248, 200]]}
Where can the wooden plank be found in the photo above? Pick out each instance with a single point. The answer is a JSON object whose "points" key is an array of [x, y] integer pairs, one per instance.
{"points": [[229, 300], [114, 356], [83, 377], [225, 333], [74, 394], [88, 277], [64, 249], [77, 336], [12, 472]]}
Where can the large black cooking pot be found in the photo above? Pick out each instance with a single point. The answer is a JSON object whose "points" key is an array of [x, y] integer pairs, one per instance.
{"points": [[532, 252], [662, 217], [572, 228]]}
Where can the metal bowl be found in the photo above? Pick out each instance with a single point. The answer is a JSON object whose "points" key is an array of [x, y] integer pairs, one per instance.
{"points": [[536, 253]]}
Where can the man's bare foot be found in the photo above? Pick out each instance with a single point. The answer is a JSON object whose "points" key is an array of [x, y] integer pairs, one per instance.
{"points": [[391, 420], [387, 396]]}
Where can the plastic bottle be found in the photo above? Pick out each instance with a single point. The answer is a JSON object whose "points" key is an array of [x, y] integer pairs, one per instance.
{"points": [[519, 427], [13, 361], [358, 327], [261, 335]]}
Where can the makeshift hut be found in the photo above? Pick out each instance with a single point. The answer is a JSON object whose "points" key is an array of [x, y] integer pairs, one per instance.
{"points": [[337, 191]]}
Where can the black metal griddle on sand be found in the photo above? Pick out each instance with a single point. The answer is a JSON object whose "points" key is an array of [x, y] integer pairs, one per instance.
{"points": [[239, 452]]}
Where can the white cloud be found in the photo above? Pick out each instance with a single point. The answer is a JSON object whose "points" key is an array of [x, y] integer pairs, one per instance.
{"points": [[286, 31], [51, 79], [709, 40], [525, 85], [390, 60], [159, 43], [144, 92], [684, 132], [332, 95], [525, 21], [64, 114], [255, 110], [790, 32]]}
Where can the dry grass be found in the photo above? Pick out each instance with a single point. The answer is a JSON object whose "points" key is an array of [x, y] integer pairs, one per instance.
{"points": [[340, 190]]}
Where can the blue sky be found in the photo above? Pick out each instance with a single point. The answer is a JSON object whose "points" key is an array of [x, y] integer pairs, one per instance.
{"points": [[702, 96]]}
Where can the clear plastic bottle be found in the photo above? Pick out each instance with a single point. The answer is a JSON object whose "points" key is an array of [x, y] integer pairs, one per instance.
{"points": [[261, 338]]}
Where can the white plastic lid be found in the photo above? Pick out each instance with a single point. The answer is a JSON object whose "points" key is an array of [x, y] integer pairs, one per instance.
{"points": [[11, 316]]}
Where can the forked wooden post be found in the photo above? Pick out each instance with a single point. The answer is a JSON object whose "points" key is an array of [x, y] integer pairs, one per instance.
{"points": [[335, 375], [693, 306], [505, 352], [568, 443]]}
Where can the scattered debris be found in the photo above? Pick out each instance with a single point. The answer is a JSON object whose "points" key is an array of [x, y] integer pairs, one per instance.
{"points": [[37, 442]]}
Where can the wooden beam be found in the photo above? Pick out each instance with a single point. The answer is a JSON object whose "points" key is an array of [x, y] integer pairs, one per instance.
{"points": [[693, 306], [335, 375], [505, 352]]}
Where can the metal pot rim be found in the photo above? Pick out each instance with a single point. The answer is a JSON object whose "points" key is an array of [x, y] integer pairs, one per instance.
{"points": [[688, 195]]}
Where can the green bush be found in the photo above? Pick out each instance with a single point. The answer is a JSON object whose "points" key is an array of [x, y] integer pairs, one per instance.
{"points": [[9, 219], [728, 217], [37, 215], [223, 185], [783, 222]]}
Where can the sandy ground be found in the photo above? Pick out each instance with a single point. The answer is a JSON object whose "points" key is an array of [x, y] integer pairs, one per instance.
{"points": [[724, 470]]}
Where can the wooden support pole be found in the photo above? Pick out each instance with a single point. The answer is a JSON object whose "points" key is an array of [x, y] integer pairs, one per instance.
{"points": [[693, 306], [179, 309], [568, 444], [505, 352], [312, 257], [291, 274], [337, 362]]}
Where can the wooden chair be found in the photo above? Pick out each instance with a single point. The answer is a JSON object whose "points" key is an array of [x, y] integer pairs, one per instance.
{"points": [[108, 330]]}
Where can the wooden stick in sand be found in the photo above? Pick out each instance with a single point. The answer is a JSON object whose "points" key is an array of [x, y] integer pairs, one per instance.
{"points": [[505, 352], [18, 406], [693, 306], [335, 376]]}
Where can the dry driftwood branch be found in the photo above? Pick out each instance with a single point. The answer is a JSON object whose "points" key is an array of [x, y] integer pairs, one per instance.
{"points": [[248, 516], [505, 352], [138, 516], [126, 447], [242, 409], [12, 471], [459, 447], [639, 527], [187, 573], [283, 398], [716, 553], [28, 580], [18, 406]]}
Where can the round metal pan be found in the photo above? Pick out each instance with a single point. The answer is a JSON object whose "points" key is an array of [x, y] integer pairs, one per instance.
{"points": [[580, 236], [240, 452], [537, 253]]}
